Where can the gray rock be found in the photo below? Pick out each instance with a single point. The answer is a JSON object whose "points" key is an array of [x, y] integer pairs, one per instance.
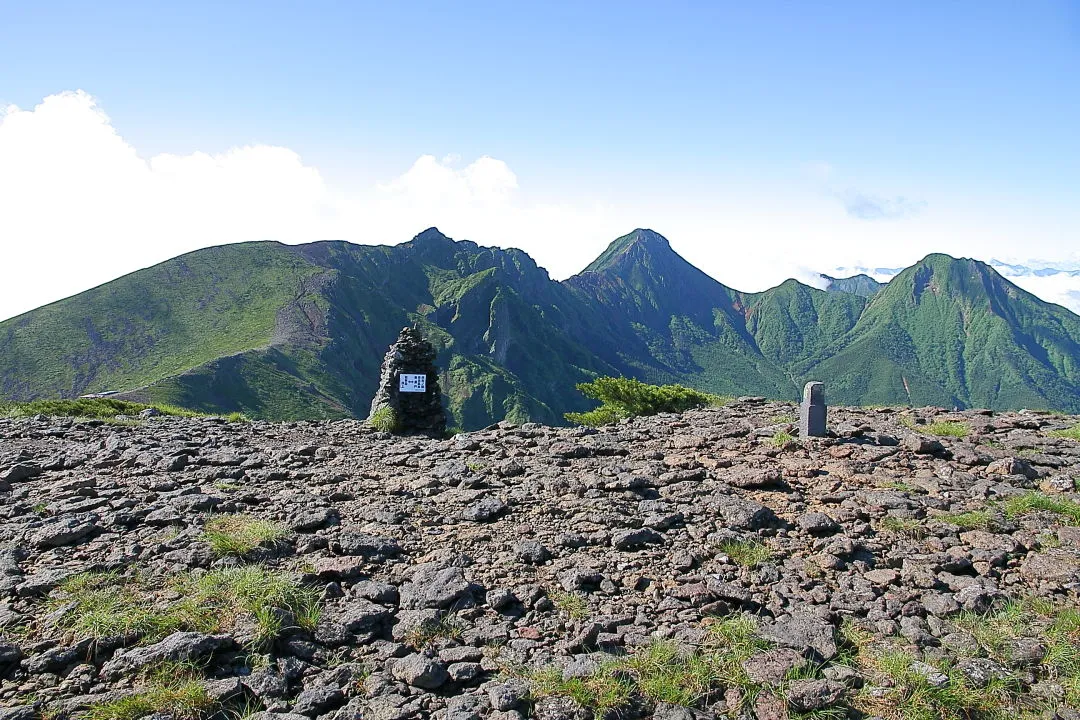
{"points": [[770, 667], [635, 538], [532, 552], [420, 671], [178, 647], [484, 510], [318, 701], [806, 695], [67, 531], [368, 546], [804, 633], [436, 587], [817, 523], [507, 695]]}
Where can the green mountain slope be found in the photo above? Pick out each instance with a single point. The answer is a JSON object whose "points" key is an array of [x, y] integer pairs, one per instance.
{"points": [[294, 332], [954, 332]]}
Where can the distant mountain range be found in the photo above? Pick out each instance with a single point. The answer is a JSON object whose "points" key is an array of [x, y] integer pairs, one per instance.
{"points": [[293, 332]]}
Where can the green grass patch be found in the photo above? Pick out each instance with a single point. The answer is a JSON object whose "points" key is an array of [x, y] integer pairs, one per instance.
{"points": [[782, 418], [902, 526], [947, 428], [970, 520], [175, 690], [447, 628], [241, 534], [385, 419], [782, 439], [1034, 501], [574, 605], [94, 408], [622, 398], [1072, 433], [107, 605], [911, 695], [663, 671], [748, 553], [217, 600], [605, 690]]}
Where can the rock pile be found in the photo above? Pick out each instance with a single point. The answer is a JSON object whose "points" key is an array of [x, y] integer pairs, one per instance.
{"points": [[681, 566], [412, 412]]}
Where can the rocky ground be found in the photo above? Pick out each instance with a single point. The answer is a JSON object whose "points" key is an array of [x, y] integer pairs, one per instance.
{"points": [[679, 566]]}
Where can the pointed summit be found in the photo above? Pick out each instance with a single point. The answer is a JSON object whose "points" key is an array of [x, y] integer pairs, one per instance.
{"points": [[635, 247]]}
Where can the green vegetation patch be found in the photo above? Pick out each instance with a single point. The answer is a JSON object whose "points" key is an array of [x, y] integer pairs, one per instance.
{"points": [[913, 691], [106, 605], [574, 605], [95, 408], [1034, 501], [748, 553], [385, 419], [782, 439], [446, 628], [1072, 433], [970, 520], [175, 690], [622, 398], [663, 671], [947, 428], [241, 534], [903, 526], [928, 691]]}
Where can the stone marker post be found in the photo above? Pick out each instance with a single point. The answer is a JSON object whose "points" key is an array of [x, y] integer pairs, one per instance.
{"points": [[813, 411], [409, 386]]}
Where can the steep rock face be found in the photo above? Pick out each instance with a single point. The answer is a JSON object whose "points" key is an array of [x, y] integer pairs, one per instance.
{"points": [[373, 576], [294, 332]]}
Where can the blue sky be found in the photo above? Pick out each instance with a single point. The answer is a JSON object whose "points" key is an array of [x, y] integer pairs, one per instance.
{"points": [[875, 131]]}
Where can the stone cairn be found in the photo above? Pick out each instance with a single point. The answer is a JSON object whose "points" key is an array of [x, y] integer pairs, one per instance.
{"points": [[415, 412], [813, 411]]}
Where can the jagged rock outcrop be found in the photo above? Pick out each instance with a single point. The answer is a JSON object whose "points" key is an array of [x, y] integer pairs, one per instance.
{"points": [[350, 573]]}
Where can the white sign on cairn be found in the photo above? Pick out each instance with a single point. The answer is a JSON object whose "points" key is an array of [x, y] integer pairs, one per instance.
{"points": [[412, 383]]}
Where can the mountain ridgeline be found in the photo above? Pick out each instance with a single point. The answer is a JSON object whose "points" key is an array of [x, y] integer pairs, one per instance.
{"points": [[298, 332]]}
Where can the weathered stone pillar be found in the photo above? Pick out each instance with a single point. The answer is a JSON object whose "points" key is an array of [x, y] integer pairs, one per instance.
{"points": [[813, 411], [409, 399]]}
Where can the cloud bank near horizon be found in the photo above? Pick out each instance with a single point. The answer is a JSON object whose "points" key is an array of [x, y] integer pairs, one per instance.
{"points": [[79, 206]]}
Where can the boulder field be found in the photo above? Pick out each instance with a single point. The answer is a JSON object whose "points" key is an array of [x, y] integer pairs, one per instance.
{"points": [[706, 564]]}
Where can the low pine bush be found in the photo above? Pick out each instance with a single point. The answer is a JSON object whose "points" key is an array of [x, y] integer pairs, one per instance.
{"points": [[622, 398]]}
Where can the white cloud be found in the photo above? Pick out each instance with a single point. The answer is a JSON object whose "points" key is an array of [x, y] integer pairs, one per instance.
{"points": [[80, 206]]}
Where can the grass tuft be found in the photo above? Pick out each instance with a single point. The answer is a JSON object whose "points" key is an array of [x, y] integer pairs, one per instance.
{"points": [[96, 606], [1034, 501], [1072, 433], [947, 428], [970, 520], [240, 535], [903, 526], [107, 605], [748, 553], [782, 439], [448, 628], [172, 689], [385, 419], [574, 605]]}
